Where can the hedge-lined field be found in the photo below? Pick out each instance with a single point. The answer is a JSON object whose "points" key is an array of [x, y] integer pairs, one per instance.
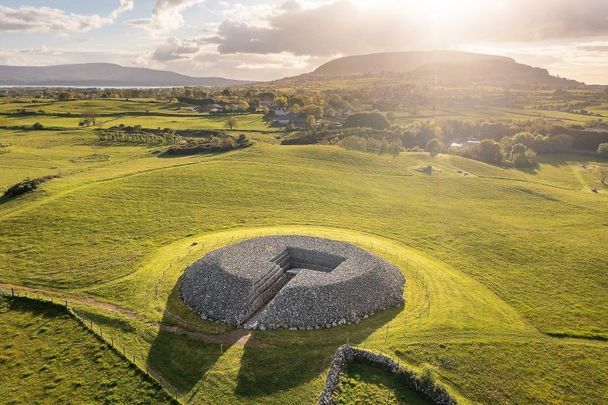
{"points": [[506, 269]]}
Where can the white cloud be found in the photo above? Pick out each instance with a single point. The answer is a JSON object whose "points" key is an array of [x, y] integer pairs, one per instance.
{"points": [[45, 19], [359, 26], [166, 15], [176, 49]]}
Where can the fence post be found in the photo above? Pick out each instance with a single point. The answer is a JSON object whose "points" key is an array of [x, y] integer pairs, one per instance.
{"points": [[12, 291], [66, 303]]}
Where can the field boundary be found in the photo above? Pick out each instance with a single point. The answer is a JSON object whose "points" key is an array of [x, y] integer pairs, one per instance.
{"points": [[345, 354], [90, 327]]}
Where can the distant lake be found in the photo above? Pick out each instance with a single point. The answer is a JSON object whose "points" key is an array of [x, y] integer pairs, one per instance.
{"points": [[25, 86]]}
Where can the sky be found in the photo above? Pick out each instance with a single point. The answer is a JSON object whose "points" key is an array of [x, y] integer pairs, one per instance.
{"points": [[265, 40]]}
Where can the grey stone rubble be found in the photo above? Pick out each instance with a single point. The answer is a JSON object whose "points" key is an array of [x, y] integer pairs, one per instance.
{"points": [[291, 282], [346, 354]]}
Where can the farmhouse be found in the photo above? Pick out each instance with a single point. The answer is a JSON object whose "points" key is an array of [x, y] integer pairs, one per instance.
{"points": [[465, 142], [284, 117]]}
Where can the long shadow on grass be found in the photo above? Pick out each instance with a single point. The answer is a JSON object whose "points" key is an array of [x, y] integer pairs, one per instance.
{"points": [[283, 360], [185, 349]]}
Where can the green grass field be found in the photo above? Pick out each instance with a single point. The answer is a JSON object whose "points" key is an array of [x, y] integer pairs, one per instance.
{"points": [[47, 357], [364, 384], [506, 270]]}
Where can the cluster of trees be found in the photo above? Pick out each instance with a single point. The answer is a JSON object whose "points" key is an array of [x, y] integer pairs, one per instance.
{"points": [[374, 120], [381, 146], [139, 136], [213, 144], [519, 150], [602, 150]]}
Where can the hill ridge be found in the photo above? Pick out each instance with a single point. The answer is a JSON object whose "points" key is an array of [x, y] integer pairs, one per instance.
{"points": [[102, 74]]}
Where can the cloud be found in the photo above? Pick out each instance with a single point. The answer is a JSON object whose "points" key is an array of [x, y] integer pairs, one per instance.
{"points": [[176, 49], [346, 27], [166, 15], [595, 48], [45, 19]]}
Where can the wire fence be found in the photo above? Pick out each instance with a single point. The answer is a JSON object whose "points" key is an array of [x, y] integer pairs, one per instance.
{"points": [[108, 339], [351, 338]]}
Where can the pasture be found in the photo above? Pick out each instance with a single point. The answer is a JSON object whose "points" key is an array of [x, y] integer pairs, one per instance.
{"points": [[506, 294], [48, 357]]}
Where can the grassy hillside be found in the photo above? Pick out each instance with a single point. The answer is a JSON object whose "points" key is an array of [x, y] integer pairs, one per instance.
{"points": [[506, 293], [47, 357]]}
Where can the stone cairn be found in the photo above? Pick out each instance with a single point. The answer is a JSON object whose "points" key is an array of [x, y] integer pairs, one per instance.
{"points": [[291, 282]]}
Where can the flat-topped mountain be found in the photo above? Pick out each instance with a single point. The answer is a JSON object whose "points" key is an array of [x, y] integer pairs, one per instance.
{"points": [[443, 67], [101, 74]]}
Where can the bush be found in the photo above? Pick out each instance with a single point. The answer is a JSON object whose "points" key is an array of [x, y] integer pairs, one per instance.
{"points": [[26, 186], [489, 151], [524, 159], [372, 120], [561, 142], [524, 138], [433, 147], [603, 150], [37, 126]]}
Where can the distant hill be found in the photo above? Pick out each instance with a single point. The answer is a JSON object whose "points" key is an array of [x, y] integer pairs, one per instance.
{"points": [[101, 75], [443, 67]]}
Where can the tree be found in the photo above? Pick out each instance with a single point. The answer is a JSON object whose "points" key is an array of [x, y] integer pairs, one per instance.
{"points": [[311, 122], [280, 102], [395, 148], [525, 138], [603, 172], [489, 151], [243, 105], [311, 109], [230, 123], [518, 149], [603, 150], [64, 96], [433, 147], [372, 120], [242, 139], [89, 118], [561, 142], [527, 158]]}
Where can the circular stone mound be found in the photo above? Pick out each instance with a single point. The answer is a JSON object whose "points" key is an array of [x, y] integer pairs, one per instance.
{"points": [[294, 282]]}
